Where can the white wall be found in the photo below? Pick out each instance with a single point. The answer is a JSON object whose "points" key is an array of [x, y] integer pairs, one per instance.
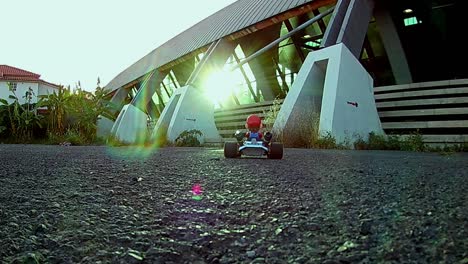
{"points": [[46, 89], [131, 125], [21, 89]]}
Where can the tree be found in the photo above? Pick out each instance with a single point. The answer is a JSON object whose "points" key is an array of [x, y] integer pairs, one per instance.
{"points": [[57, 104]]}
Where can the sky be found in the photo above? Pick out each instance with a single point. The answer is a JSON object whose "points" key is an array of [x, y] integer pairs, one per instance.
{"points": [[67, 41]]}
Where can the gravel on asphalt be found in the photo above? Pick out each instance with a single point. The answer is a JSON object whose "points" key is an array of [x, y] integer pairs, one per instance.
{"points": [[98, 204]]}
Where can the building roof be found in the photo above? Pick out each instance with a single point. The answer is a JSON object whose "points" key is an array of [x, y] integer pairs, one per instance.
{"points": [[231, 19], [9, 73], [12, 73]]}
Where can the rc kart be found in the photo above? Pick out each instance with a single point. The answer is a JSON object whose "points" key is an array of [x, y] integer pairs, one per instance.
{"points": [[253, 148]]}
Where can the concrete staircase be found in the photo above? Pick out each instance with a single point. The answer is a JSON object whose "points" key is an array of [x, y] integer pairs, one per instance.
{"points": [[438, 110], [228, 121]]}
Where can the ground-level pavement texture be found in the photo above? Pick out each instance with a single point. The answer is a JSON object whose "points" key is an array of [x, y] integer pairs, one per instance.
{"points": [[97, 204]]}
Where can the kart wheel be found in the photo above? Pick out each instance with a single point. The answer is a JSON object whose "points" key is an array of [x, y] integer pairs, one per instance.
{"points": [[231, 150], [276, 151]]}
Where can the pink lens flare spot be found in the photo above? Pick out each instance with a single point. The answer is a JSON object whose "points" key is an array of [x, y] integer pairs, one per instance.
{"points": [[197, 189]]}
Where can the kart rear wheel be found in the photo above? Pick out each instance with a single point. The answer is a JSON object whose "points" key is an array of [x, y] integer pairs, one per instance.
{"points": [[231, 150], [276, 151]]}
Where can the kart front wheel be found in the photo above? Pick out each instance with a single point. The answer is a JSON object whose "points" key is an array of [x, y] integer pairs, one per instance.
{"points": [[231, 150], [276, 151]]}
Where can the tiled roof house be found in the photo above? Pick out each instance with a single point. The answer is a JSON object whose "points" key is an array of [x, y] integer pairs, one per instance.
{"points": [[21, 81]]}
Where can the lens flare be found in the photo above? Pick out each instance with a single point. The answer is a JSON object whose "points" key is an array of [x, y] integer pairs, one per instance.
{"points": [[197, 192], [131, 152]]}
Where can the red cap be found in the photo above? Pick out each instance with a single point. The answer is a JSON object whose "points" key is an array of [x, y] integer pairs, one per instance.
{"points": [[254, 121]]}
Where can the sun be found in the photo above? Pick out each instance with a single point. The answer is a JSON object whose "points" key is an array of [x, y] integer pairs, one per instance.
{"points": [[219, 86]]}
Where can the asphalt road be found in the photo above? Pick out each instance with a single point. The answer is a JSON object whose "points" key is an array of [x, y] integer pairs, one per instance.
{"points": [[96, 204]]}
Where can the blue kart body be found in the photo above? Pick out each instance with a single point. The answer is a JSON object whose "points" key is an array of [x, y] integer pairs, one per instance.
{"points": [[253, 148]]}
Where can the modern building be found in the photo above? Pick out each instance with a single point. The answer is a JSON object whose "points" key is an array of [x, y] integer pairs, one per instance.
{"points": [[354, 65], [21, 81]]}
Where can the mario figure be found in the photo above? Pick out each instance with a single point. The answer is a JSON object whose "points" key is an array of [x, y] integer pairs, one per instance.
{"points": [[253, 124]]}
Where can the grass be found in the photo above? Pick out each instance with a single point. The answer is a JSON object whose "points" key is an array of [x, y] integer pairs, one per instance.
{"points": [[307, 135]]}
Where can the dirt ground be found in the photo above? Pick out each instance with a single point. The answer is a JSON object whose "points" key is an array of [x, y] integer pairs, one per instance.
{"points": [[96, 204]]}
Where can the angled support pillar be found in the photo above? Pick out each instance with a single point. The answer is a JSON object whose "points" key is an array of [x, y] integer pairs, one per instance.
{"points": [[118, 100], [189, 108], [182, 71], [349, 24], [104, 127], [104, 124], [131, 124], [394, 49], [332, 93]]}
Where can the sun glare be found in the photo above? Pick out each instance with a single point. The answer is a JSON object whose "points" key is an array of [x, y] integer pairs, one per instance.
{"points": [[219, 86]]}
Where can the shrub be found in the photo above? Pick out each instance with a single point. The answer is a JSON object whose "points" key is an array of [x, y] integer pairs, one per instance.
{"points": [[377, 141], [74, 137], [188, 138], [414, 142], [360, 143], [159, 138], [326, 141], [271, 115], [54, 138], [393, 142], [114, 141]]}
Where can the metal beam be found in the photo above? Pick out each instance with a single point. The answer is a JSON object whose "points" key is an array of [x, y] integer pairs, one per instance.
{"points": [[249, 85], [165, 89], [295, 41], [276, 42], [283, 78], [321, 24], [173, 81]]}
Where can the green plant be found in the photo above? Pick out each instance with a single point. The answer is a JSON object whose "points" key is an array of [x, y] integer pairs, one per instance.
{"points": [[413, 142], [57, 104], [326, 141], [23, 118], [377, 141], [6, 111], [114, 141], [393, 142], [74, 137], [269, 117], [304, 133], [463, 147], [54, 139], [188, 138]]}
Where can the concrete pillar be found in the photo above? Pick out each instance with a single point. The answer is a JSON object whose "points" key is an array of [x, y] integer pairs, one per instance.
{"points": [[333, 94], [104, 127], [118, 100], [330, 37], [391, 41], [183, 70], [104, 124], [147, 89], [131, 124], [189, 108], [349, 25]]}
